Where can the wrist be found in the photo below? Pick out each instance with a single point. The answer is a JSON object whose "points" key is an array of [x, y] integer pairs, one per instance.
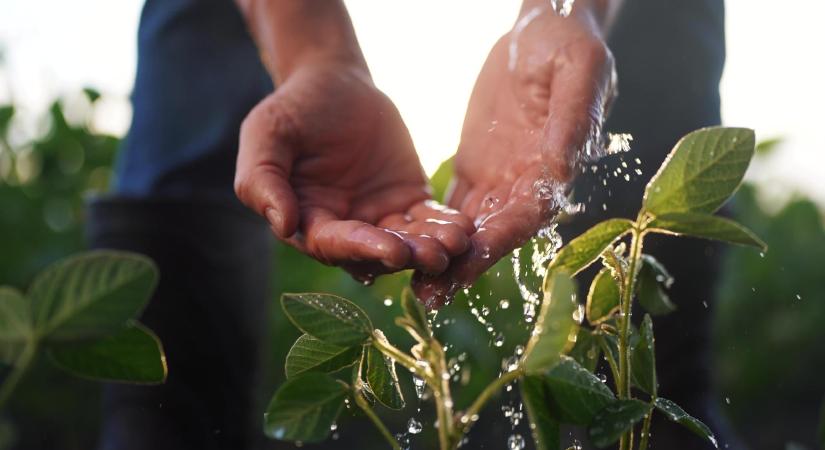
{"points": [[294, 34]]}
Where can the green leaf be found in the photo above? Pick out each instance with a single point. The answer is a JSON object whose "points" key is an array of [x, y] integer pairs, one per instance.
{"points": [[587, 247], [769, 146], [707, 227], [330, 318], [702, 172], [6, 113], [416, 315], [603, 298], [615, 420], [304, 408], [132, 355], [90, 295], [382, 379], [555, 325], [15, 324], [586, 351], [652, 279], [577, 394], [644, 359], [676, 414], [313, 355], [543, 425]]}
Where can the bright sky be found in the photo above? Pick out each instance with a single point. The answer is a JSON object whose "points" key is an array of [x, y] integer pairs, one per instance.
{"points": [[425, 54]]}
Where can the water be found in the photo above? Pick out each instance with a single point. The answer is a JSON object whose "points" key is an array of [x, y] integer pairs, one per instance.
{"points": [[414, 426], [515, 442]]}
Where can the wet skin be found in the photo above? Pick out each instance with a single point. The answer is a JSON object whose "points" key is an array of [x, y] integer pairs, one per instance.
{"points": [[329, 162]]}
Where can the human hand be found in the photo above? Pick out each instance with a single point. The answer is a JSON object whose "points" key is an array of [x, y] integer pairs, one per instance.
{"points": [[535, 111], [328, 161]]}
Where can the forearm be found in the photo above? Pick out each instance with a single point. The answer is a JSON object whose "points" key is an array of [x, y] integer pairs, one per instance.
{"points": [[602, 13], [292, 33]]}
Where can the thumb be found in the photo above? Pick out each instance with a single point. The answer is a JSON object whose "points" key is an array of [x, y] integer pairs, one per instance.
{"points": [[263, 167]]}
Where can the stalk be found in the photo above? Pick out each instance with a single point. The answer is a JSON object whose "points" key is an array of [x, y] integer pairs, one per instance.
{"points": [[20, 367], [491, 389], [626, 442], [402, 358], [359, 400], [645, 431]]}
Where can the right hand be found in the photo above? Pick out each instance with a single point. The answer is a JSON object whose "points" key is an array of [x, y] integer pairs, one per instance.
{"points": [[328, 161]]}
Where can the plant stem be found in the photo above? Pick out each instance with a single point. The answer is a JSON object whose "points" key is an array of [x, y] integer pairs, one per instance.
{"points": [[626, 442], [491, 389], [20, 367], [359, 400], [611, 361], [645, 431], [400, 357]]}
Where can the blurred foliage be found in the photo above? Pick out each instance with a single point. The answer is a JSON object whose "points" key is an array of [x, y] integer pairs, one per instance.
{"points": [[762, 333], [768, 325]]}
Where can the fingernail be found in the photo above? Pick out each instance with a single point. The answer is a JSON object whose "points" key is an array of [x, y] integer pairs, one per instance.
{"points": [[276, 220]]}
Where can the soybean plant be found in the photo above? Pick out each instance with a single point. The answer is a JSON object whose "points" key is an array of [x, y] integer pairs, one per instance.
{"points": [[555, 371]]}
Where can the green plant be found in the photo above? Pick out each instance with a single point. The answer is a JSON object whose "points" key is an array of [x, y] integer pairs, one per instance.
{"points": [[80, 311], [554, 370]]}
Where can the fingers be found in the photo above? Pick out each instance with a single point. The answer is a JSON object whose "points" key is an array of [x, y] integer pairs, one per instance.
{"points": [[263, 167], [452, 237], [432, 210], [335, 241], [503, 230], [579, 94]]}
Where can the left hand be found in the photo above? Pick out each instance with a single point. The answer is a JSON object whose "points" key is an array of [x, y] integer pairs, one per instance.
{"points": [[535, 111]]}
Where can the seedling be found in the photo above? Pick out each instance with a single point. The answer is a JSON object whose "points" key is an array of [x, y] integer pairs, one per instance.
{"points": [[555, 370]]}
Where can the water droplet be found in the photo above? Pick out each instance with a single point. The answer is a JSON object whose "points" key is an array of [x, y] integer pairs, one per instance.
{"points": [[602, 377], [485, 311], [420, 385], [727, 400], [388, 301], [499, 340], [515, 442], [798, 297], [504, 303], [414, 426], [519, 350]]}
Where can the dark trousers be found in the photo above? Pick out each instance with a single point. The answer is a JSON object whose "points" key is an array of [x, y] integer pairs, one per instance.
{"points": [[209, 311]]}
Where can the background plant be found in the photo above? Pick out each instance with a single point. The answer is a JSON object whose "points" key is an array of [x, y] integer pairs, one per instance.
{"points": [[699, 175], [80, 312]]}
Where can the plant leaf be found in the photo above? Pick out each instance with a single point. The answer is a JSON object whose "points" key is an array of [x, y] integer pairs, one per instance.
{"points": [[313, 355], [381, 377], [676, 414], [707, 227], [576, 393], [543, 425], [132, 355], [701, 172], [649, 287], [644, 359], [90, 295], [15, 323], [329, 318], [415, 314], [304, 408], [603, 298], [586, 351], [616, 419], [555, 326], [586, 248]]}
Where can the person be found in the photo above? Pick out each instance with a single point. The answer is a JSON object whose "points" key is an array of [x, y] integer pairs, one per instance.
{"points": [[274, 99]]}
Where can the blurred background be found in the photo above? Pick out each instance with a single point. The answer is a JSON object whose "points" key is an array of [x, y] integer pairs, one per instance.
{"points": [[64, 108]]}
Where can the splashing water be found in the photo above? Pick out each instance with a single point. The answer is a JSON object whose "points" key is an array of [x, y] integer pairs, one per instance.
{"points": [[414, 426], [562, 7], [515, 442]]}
